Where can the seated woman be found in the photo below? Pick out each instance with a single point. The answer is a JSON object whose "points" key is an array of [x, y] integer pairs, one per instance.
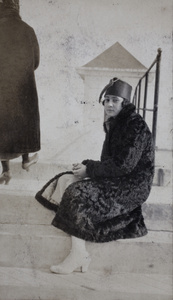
{"points": [[100, 201]]}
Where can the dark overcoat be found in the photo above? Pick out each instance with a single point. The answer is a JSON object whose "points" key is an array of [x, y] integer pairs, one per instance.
{"points": [[107, 206], [19, 110]]}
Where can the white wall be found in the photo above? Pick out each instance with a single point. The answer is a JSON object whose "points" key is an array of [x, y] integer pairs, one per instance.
{"points": [[73, 32]]}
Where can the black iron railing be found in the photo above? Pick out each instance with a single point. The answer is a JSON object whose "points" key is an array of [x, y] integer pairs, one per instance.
{"points": [[141, 94]]}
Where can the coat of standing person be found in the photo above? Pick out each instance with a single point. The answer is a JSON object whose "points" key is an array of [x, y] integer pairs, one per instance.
{"points": [[100, 201], [19, 108]]}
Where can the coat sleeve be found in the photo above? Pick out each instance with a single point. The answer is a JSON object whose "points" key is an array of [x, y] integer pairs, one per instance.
{"points": [[124, 156]]}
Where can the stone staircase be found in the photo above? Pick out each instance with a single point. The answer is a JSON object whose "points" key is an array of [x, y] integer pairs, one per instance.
{"points": [[134, 269]]}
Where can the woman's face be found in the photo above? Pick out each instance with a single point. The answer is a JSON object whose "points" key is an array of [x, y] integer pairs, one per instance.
{"points": [[112, 105]]}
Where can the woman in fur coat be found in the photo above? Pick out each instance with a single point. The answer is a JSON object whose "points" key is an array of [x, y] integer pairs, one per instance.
{"points": [[101, 200], [19, 111]]}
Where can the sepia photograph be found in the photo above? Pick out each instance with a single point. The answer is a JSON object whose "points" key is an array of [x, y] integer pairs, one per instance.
{"points": [[86, 150]]}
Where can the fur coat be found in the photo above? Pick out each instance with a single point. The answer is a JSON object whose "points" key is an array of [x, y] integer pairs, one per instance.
{"points": [[107, 206], [19, 111]]}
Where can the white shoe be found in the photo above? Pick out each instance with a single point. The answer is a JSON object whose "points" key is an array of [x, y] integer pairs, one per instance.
{"points": [[72, 262], [32, 160], [5, 177]]}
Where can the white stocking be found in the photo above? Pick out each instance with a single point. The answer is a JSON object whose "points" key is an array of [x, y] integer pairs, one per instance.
{"points": [[78, 258]]}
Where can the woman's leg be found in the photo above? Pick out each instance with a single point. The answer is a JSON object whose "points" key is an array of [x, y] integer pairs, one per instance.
{"points": [[25, 158], [28, 161], [6, 174], [5, 166], [78, 258]]}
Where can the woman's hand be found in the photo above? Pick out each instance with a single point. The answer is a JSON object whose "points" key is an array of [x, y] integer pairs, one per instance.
{"points": [[79, 170]]}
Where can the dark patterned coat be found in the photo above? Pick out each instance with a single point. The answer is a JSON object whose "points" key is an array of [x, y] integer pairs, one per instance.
{"points": [[107, 206], [19, 111]]}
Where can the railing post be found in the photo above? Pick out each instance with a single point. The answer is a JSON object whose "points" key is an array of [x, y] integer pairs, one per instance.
{"points": [[156, 95], [139, 96], [145, 95]]}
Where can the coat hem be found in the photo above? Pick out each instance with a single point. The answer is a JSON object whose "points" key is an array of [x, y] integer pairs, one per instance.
{"points": [[128, 232]]}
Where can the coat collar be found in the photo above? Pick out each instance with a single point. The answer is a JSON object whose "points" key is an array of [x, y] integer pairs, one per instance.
{"points": [[126, 111]]}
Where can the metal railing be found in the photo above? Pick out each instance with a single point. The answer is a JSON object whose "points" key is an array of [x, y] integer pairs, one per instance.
{"points": [[140, 99]]}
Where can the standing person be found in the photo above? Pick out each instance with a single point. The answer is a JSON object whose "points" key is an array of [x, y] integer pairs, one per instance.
{"points": [[19, 110], [101, 200]]}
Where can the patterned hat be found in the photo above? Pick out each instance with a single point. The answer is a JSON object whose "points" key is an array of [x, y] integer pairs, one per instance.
{"points": [[117, 87]]}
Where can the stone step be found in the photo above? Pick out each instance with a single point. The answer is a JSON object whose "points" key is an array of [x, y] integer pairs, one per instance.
{"points": [[42, 170], [46, 169], [39, 246], [34, 284], [19, 209], [18, 205], [30, 186]]}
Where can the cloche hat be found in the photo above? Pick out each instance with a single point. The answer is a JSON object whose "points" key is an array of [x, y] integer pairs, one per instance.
{"points": [[117, 87]]}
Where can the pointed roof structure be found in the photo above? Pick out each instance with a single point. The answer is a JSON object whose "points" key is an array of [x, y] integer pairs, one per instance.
{"points": [[115, 57]]}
